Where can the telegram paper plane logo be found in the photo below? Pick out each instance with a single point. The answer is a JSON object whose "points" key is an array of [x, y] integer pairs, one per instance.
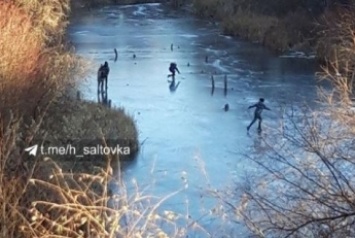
{"points": [[32, 150]]}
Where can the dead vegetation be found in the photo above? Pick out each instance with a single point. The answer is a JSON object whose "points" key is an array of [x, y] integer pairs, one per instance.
{"points": [[37, 74], [305, 184], [279, 25]]}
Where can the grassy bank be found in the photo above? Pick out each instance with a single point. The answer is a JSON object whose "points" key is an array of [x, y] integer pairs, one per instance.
{"points": [[81, 123], [38, 73], [280, 26]]}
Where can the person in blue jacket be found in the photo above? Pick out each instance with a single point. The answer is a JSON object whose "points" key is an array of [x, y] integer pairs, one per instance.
{"points": [[259, 107], [173, 68]]}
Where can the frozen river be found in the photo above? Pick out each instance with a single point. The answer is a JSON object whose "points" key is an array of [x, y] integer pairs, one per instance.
{"points": [[186, 134]]}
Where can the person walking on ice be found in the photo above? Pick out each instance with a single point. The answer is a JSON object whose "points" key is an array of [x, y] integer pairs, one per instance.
{"points": [[259, 107], [172, 69], [102, 76]]}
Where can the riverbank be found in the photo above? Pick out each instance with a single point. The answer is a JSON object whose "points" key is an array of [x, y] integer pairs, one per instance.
{"points": [[39, 73], [279, 27]]}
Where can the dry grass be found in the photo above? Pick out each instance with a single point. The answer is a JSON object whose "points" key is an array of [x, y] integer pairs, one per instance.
{"points": [[82, 205], [251, 26], [32, 76], [50, 17], [52, 203], [20, 45], [36, 71], [279, 34], [245, 19], [213, 9], [336, 37], [28, 97], [78, 122], [32, 73]]}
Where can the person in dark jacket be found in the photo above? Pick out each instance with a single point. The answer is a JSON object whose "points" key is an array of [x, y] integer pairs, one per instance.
{"points": [[259, 107], [173, 68], [103, 72]]}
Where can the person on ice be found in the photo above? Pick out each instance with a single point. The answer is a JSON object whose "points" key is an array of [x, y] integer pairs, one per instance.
{"points": [[173, 68], [103, 72], [259, 107], [105, 68]]}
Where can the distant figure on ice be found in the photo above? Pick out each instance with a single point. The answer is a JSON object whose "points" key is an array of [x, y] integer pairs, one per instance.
{"points": [[226, 107], [116, 54], [259, 107], [102, 75], [173, 68]]}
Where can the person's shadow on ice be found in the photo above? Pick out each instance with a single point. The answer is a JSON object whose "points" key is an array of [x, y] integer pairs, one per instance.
{"points": [[173, 86]]}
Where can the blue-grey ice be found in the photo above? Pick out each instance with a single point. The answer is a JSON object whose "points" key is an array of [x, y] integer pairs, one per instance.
{"points": [[188, 130]]}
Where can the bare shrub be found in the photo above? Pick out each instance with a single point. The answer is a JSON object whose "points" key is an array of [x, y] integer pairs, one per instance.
{"points": [[50, 17], [20, 45], [86, 205], [208, 8], [337, 38], [305, 184], [249, 25], [32, 76]]}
